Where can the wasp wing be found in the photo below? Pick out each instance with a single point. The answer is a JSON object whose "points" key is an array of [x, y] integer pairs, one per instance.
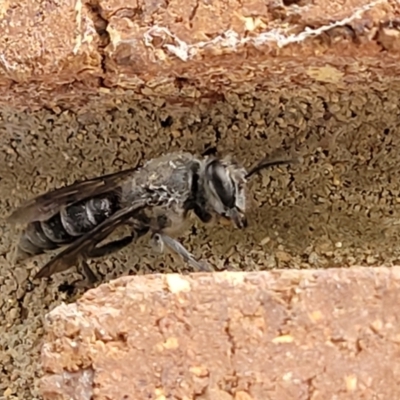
{"points": [[45, 206], [86, 243]]}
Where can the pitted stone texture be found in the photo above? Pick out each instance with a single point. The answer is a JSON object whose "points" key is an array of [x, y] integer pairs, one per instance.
{"points": [[339, 208], [62, 54], [290, 334]]}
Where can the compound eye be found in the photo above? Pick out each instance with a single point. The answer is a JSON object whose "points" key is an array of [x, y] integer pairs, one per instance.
{"points": [[221, 183]]}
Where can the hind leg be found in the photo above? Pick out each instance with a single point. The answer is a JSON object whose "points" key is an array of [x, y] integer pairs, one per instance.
{"points": [[105, 250], [117, 245], [89, 280]]}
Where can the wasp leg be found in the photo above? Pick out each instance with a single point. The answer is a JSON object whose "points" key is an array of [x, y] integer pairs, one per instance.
{"points": [[102, 251], [178, 248], [117, 245], [111, 247], [90, 279], [89, 274], [157, 243], [105, 250]]}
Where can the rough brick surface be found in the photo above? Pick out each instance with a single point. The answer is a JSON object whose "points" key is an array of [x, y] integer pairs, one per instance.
{"points": [[325, 334], [108, 84], [63, 53]]}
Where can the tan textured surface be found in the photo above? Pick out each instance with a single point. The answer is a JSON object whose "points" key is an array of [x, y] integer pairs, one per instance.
{"points": [[44, 39], [280, 335], [340, 208], [184, 50]]}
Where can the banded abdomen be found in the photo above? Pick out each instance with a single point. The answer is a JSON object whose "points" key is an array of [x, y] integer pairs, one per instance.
{"points": [[66, 226]]}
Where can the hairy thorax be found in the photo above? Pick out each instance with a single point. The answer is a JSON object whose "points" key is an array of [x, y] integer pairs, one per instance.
{"points": [[168, 180]]}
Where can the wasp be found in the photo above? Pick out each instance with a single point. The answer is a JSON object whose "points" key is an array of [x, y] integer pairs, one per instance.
{"points": [[154, 199]]}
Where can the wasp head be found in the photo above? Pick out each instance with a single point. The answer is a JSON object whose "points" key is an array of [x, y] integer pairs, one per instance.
{"points": [[224, 187]]}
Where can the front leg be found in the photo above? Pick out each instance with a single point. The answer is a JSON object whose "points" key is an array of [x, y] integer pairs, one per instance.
{"points": [[161, 240]]}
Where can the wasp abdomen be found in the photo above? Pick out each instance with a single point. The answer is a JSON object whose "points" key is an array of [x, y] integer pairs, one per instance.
{"points": [[66, 226], [54, 229], [34, 240]]}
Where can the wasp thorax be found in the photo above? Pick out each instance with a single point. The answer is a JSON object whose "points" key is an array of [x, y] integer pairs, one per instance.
{"points": [[225, 188]]}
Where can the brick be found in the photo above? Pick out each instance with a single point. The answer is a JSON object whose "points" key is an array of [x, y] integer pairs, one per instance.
{"points": [[291, 334]]}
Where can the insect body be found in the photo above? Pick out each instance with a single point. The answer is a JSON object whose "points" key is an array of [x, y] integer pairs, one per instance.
{"points": [[155, 198]]}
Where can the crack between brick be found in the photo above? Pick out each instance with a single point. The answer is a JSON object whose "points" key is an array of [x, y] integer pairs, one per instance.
{"points": [[194, 11], [100, 25], [231, 341], [311, 385], [230, 337], [231, 39]]}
